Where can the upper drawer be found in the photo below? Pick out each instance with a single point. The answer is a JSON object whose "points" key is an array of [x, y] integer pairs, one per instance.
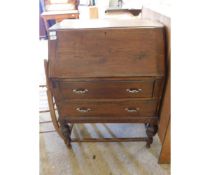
{"points": [[107, 53], [104, 89]]}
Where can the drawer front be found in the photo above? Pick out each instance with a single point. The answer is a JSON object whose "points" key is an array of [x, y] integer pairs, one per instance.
{"points": [[105, 89], [108, 108]]}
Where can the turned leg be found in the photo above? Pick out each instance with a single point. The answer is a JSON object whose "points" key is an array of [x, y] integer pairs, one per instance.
{"points": [[151, 130], [66, 132]]}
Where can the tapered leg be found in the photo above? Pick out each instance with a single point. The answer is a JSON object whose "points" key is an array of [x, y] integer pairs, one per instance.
{"points": [[151, 130], [66, 132]]}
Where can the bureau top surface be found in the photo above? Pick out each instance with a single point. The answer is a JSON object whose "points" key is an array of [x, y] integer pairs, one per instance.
{"points": [[70, 24]]}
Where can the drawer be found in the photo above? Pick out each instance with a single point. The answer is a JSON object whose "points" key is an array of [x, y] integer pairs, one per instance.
{"points": [[105, 89], [108, 108]]}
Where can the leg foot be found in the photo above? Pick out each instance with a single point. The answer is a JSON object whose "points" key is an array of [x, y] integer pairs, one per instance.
{"points": [[66, 132], [151, 130]]}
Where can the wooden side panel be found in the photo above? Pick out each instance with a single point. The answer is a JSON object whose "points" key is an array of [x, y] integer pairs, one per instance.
{"points": [[51, 55], [108, 53], [165, 112], [165, 155]]}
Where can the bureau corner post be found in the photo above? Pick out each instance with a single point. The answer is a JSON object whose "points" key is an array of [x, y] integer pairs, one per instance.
{"points": [[151, 130]]}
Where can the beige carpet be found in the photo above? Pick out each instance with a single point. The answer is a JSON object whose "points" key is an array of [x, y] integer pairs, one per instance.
{"points": [[126, 158]]}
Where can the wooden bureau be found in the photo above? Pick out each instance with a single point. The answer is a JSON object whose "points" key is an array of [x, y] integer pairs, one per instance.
{"points": [[106, 71]]}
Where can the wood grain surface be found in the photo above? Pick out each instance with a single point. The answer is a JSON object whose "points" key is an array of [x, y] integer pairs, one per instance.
{"points": [[105, 89]]}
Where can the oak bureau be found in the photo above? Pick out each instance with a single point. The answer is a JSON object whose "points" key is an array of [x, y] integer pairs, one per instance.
{"points": [[105, 71]]}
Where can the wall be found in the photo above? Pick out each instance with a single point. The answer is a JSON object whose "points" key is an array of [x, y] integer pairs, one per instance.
{"points": [[161, 6]]}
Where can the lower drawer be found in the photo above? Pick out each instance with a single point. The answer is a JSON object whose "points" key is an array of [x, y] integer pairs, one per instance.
{"points": [[108, 108]]}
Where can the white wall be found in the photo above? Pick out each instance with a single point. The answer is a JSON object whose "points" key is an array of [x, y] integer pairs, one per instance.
{"points": [[160, 6]]}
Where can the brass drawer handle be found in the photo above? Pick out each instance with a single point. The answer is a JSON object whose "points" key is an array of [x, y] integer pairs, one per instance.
{"points": [[133, 90], [83, 110], [132, 109], [80, 91]]}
